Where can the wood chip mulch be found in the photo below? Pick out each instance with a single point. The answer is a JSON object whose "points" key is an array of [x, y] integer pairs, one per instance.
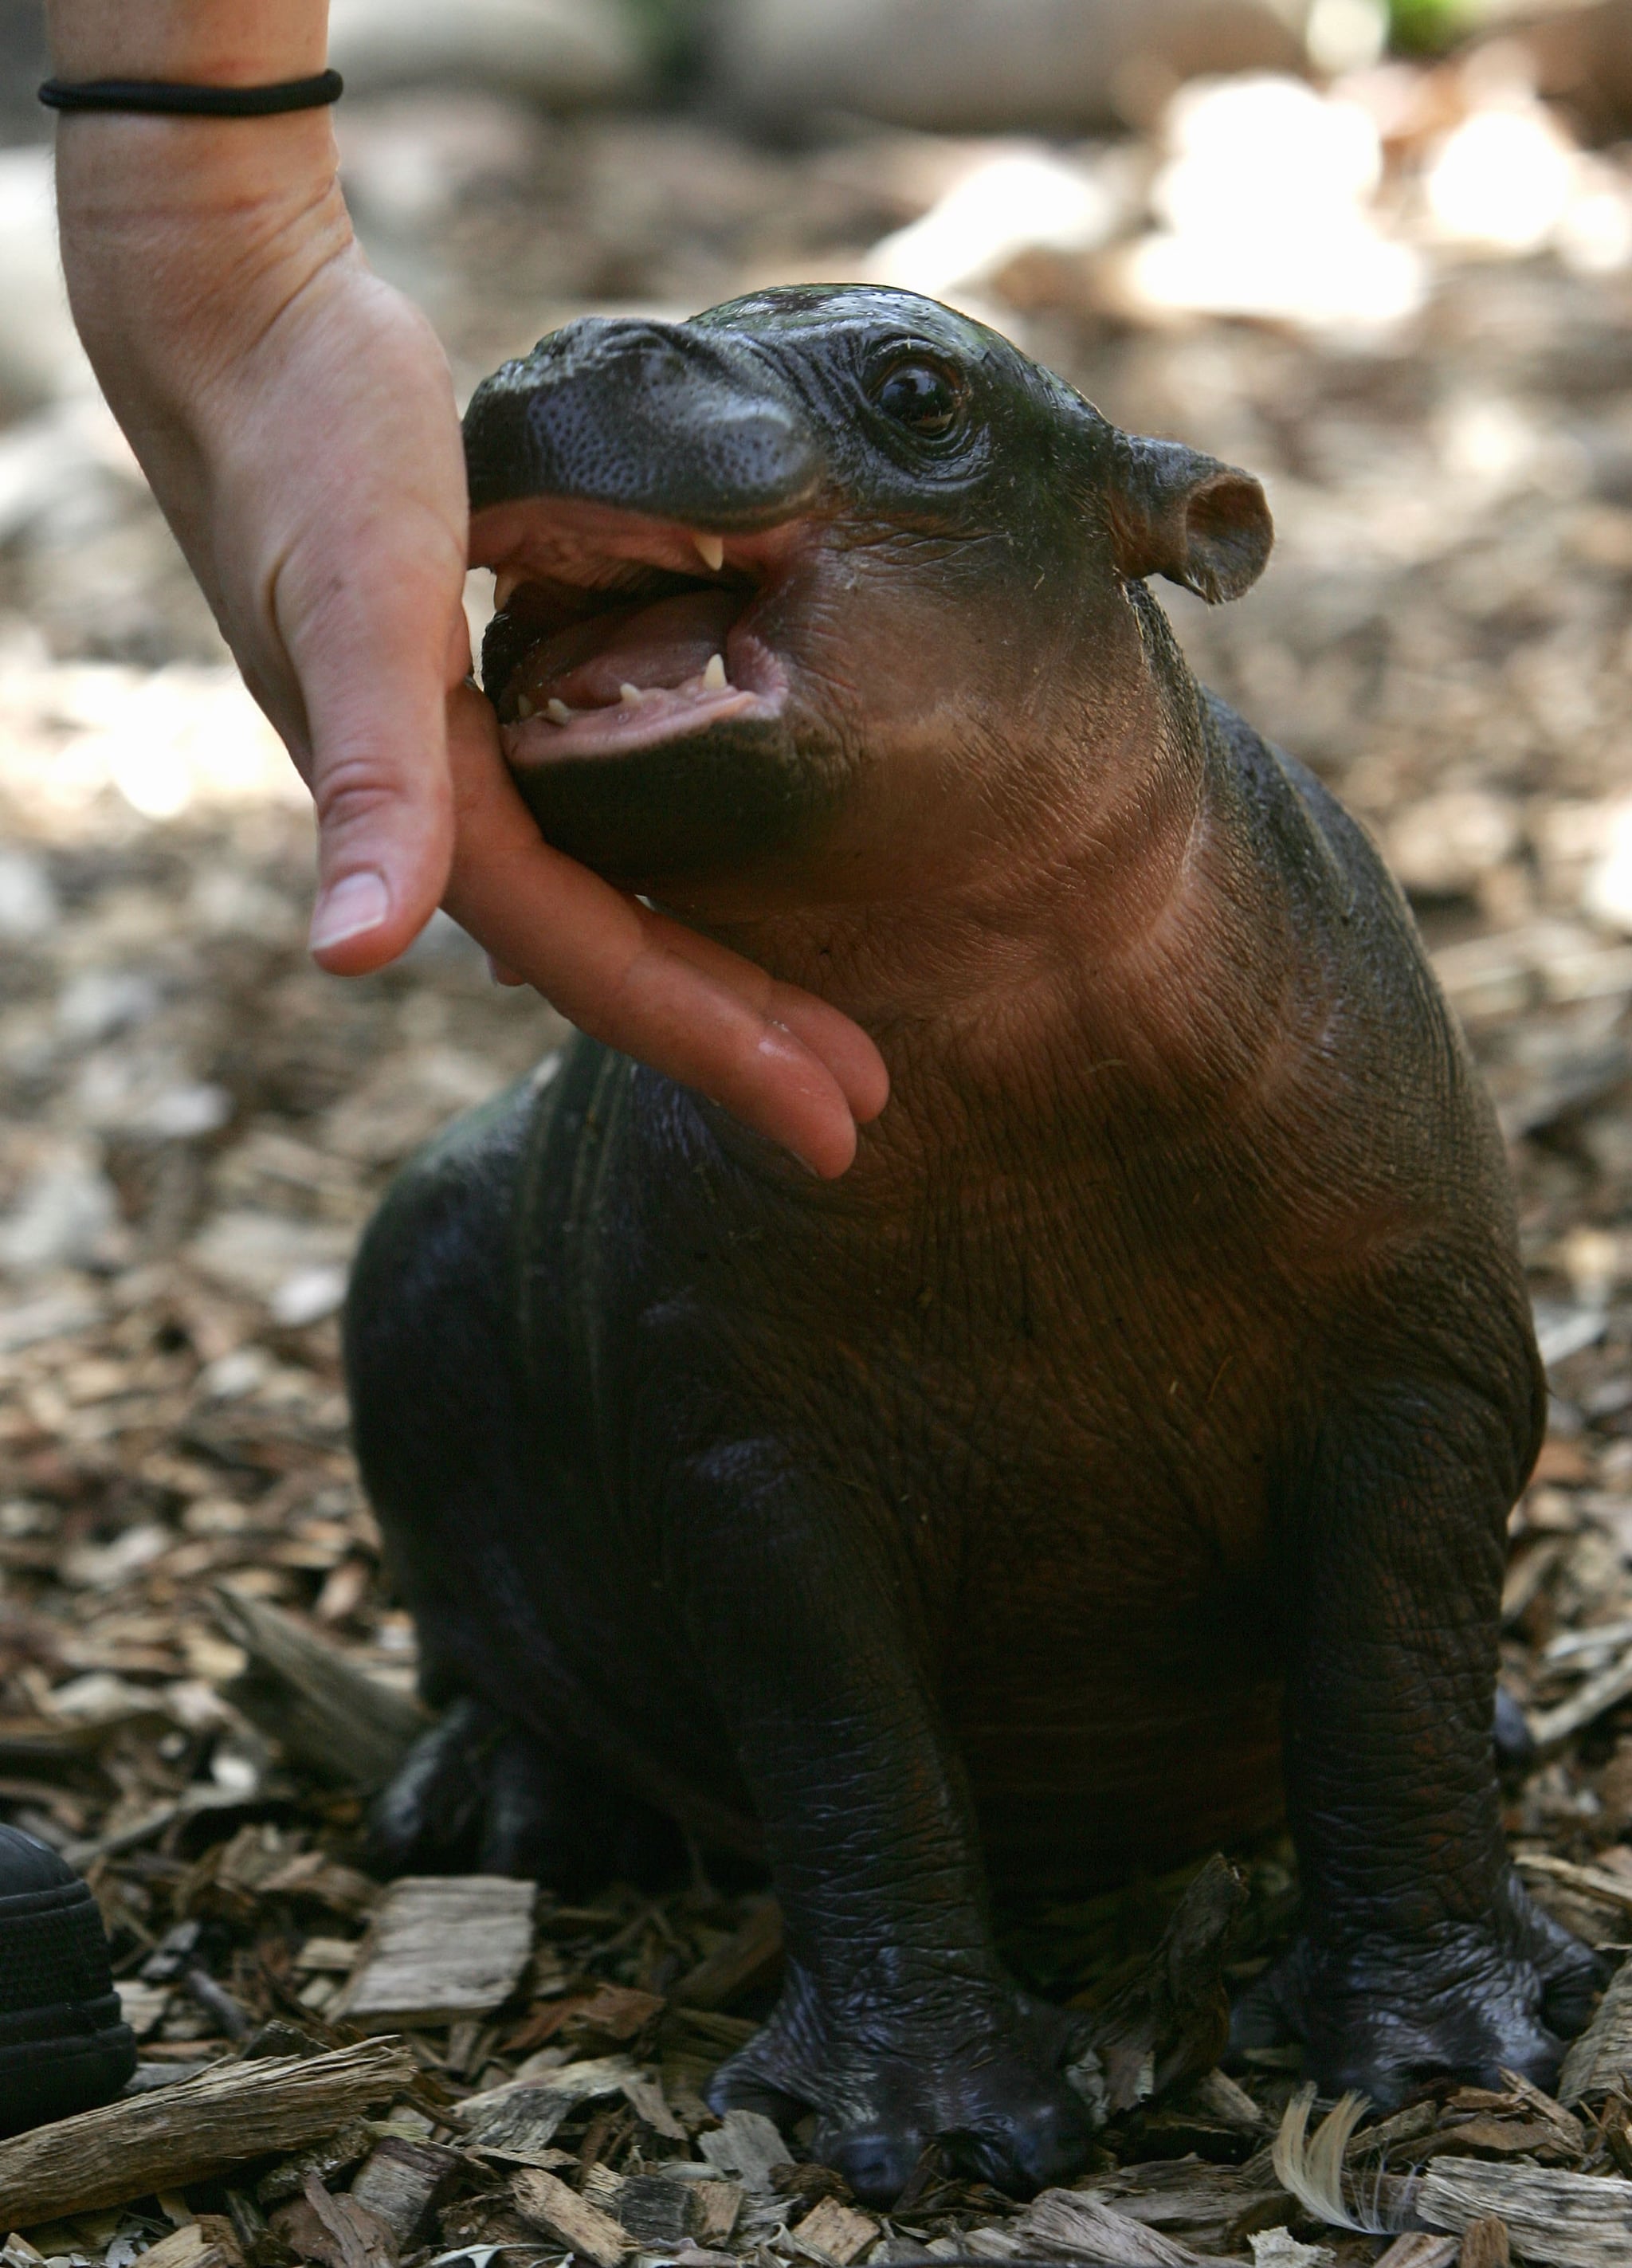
{"points": [[194, 1123]]}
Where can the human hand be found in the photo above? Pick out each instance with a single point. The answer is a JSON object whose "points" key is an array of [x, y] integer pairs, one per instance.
{"points": [[297, 420], [774, 1056]]}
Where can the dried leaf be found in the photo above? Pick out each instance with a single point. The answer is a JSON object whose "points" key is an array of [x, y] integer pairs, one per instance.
{"points": [[1311, 2168]]}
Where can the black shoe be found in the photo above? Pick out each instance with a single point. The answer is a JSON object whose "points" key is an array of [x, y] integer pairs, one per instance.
{"points": [[63, 2044]]}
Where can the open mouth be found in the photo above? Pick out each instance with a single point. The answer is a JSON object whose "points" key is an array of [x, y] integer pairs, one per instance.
{"points": [[615, 631]]}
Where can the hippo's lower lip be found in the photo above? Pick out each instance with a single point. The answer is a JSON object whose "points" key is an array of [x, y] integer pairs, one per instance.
{"points": [[617, 633]]}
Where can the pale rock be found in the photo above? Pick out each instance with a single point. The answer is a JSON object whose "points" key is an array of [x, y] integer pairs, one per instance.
{"points": [[1443, 846], [1266, 209], [104, 1566], [100, 1698], [405, 1100], [40, 357], [99, 1002], [307, 1296], [1013, 200], [50, 1314], [1608, 894], [409, 159], [966, 65], [257, 1253], [63, 1218], [560, 53], [28, 903]]}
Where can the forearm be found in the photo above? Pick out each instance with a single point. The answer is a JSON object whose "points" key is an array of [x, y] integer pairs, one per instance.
{"points": [[184, 238], [225, 42], [169, 208]]}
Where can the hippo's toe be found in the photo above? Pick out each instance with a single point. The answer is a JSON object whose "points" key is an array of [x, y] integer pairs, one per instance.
{"points": [[1020, 2131], [981, 2077], [876, 2161], [1384, 2016], [1032, 2146]]}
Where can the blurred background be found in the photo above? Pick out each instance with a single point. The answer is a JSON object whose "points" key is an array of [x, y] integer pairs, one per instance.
{"points": [[1377, 251]]}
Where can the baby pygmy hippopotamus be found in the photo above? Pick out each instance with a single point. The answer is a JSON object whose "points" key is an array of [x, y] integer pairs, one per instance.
{"points": [[1118, 1457]]}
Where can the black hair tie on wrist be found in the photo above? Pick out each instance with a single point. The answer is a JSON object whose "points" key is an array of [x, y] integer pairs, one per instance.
{"points": [[161, 99]]}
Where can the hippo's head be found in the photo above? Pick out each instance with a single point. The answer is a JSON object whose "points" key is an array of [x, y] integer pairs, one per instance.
{"points": [[824, 583]]}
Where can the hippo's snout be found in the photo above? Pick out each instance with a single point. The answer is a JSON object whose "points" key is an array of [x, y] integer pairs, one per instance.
{"points": [[656, 418], [642, 491]]}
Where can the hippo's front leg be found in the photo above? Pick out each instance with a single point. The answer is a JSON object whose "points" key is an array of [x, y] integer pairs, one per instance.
{"points": [[1421, 1955], [896, 2024]]}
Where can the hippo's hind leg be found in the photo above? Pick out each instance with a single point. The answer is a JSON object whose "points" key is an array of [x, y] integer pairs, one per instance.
{"points": [[1421, 1955], [442, 1436], [482, 1794]]}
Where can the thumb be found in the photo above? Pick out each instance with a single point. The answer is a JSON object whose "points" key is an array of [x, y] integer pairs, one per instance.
{"points": [[375, 681]]}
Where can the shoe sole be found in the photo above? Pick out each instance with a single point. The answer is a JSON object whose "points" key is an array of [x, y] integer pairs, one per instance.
{"points": [[64, 2045]]}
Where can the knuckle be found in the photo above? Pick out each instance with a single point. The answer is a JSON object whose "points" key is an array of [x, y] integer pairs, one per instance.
{"points": [[359, 788], [354, 787], [368, 785]]}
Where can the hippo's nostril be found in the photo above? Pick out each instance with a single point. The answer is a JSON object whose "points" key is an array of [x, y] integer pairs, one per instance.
{"points": [[654, 418]]}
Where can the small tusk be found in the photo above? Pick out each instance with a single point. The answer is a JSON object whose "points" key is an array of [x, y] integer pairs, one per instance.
{"points": [[631, 695], [558, 712], [714, 677], [505, 584], [524, 708], [713, 550]]}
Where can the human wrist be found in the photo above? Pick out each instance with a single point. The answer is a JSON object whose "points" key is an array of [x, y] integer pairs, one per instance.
{"points": [[184, 249], [208, 42], [143, 187], [186, 206], [125, 172]]}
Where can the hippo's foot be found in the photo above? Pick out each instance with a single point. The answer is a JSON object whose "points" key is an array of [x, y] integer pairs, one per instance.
{"points": [[978, 2068], [1386, 2015], [480, 1793]]}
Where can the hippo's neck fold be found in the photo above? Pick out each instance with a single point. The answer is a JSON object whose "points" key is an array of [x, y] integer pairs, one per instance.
{"points": [[1117, 934]]}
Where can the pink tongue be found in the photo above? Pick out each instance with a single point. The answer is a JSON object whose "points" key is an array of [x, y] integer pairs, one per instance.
{"points": [[662, 644]]}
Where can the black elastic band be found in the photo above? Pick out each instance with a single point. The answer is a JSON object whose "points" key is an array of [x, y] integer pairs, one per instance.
{"points": [[163, 99]]}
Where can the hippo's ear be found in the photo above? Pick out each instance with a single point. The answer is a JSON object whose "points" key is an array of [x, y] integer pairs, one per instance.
{"points": [[1188, 517]]}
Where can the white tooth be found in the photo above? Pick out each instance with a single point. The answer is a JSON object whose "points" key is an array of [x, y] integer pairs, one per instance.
{"points": [[505, 584], [524, 708], [558, 712], [714, 677], [631, 695], [713, 550]]}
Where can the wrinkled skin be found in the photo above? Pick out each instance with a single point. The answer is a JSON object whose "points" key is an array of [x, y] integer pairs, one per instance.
{"points": [[1121, 1452]]}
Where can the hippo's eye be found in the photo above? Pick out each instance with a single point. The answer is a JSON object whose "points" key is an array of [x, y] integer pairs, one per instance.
{"points": [[918, 395]]}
